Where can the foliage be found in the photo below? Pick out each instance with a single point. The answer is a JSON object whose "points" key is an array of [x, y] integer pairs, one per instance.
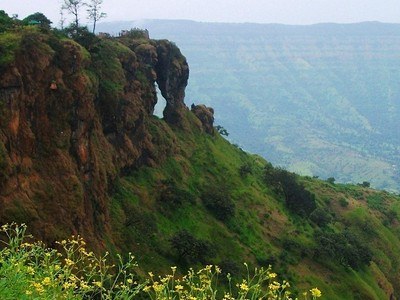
{"points": [[297, 198], [29, 270], [343, 202], [245, 169], [9, 43], [218, 201], [94, 12], [81, 35], [37, 18], [331, 180], [171, 195], [73, 7], [221, 130], [321, 217], [190, 249], [344, 247], [203, 284], [5, 21], [365, 184]]}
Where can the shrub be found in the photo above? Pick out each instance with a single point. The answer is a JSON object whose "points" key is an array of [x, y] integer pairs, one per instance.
{"points": [[297, 198], [321, 217], [331, 180], [365, 184], [245, 169], [343, 202], [218, 202], [9, 43], [5, 21], [82, 36], [37, 19], [30, 270], [173, 196], [221, 130], [190, 249], [344, 247]]}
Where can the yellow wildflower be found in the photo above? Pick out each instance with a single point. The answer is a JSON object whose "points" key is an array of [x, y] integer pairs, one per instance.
{"points": [[178, 287], [38, 287], [316, 293], [244, 287], [46, 281], [69, 262], [30, 270]]}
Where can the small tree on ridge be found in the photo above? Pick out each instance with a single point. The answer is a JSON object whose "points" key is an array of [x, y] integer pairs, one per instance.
{"points": [[94, 12]]}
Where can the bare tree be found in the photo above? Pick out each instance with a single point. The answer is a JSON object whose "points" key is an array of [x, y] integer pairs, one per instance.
{"points": [[62, 18], [94, 12], [73, 7]]}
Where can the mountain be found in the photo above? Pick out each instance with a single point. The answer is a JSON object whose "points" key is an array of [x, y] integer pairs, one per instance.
{"points": [[81, 152], [321, 100]]}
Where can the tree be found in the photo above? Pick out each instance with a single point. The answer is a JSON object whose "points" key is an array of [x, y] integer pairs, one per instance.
{"points": [[221, 130], [331, 180], [62, 18], [73, 7], [297, 198], [190, 249], [94, 12], [37, 18], [5, 21]]}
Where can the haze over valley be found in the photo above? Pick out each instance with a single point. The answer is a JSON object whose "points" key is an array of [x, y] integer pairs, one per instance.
{"points": [[321, 100]]}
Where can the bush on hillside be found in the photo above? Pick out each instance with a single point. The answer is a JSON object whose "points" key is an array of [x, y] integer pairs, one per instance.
{"points": [[343, 202], [297, 198], [172, 196], [189, 249], [345, 247], [331, 180], [245, 169], [218, 201], [38, 19], [221, 130], [81, 35], [5, 21], [321, 217]]}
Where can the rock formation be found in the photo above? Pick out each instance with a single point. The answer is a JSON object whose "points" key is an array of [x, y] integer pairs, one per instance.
{"points": [[72, 120]]}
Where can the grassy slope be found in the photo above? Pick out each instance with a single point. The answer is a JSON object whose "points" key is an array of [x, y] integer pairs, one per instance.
{"points": [[263, 230]]}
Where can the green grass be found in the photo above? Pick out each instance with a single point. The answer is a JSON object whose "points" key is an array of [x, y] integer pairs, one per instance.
{"points": [[262, 230]]}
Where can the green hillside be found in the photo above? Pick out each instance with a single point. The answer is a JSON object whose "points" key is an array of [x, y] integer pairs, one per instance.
{"points": [[81, 152], [320, 100], [235, 203]]}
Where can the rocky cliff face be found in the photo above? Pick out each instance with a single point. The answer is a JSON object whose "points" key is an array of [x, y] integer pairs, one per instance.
{"points": [[73, 120]]}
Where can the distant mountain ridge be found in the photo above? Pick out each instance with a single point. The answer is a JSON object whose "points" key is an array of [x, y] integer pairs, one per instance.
{"points": [[321, 100]]}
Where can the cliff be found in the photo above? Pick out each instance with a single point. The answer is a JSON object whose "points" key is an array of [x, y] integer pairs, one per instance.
{"points": [[72, 121]]}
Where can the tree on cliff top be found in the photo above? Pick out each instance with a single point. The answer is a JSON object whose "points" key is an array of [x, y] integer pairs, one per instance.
{"points": [[5, 21], [73, 7], [94, 12], [37, 18]]}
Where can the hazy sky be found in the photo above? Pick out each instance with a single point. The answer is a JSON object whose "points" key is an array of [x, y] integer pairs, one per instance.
{"points": [[260, 11]]}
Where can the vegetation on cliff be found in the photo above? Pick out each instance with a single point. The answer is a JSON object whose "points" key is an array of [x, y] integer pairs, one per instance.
{"points": [[82, 153]]}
